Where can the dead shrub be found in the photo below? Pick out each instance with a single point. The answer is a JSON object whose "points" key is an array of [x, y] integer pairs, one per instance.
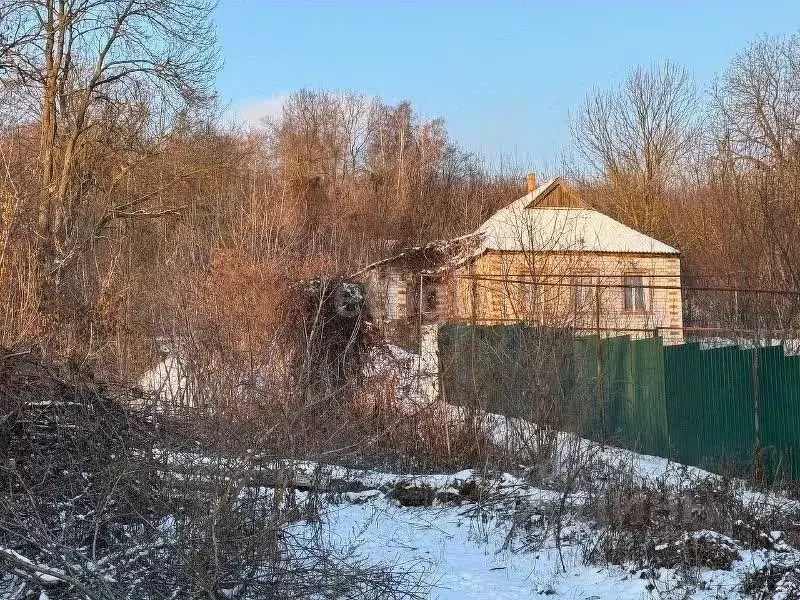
{"points": [[102, 504], [636, 520], [703, 549], [434, 439], [413, 494], [472, 490], [701, 526], [773, 581]]}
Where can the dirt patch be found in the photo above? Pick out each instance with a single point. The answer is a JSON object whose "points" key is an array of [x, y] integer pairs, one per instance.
{"points": [[773, 581], [472, 490], [701, 549], [413, 495]]}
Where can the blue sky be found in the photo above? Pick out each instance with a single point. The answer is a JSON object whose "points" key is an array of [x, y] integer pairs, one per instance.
{"points": [[505, 76]]}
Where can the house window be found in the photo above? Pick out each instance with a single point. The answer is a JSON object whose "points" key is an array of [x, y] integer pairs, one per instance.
{"points": [[427, 296], [430, 302], [633, 298], [583, 292], [412, 299], [531, 300]]}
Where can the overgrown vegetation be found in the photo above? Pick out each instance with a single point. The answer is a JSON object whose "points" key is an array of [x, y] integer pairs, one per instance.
{"points": [[130, 211], [135, 225], [99, 503]]}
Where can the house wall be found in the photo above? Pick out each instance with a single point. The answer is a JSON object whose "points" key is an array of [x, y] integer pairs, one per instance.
{"points": [[386, 290], [502, 287], [386, 293]]}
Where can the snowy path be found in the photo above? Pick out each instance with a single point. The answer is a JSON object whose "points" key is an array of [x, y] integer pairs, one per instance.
{"points": [[463, 559]]}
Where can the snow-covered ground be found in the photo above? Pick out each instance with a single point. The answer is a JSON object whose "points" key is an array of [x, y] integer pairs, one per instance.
{"points": [[463, 558], [464, 554], [467, 550]]}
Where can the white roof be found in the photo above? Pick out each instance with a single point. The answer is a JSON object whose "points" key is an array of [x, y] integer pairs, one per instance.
{"points": [[519, 228]]}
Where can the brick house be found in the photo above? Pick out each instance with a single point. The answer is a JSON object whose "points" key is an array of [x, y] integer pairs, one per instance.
{"points": [[548, 259]]}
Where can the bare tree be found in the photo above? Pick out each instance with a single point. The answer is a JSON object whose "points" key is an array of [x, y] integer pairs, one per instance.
{"points": [[84, 63], [754, 172], [756, 104], [636, 136]]}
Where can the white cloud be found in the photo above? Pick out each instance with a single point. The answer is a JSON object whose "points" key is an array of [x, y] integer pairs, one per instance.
{"points": [[251, 113]]}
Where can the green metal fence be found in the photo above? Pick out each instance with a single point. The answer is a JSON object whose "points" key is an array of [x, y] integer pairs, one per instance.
{"points": [[623, 383], [778, 408], [710, 407], [727, 409], [503, 369]]}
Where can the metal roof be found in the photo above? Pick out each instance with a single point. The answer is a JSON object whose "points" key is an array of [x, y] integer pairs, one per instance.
{"points": [[520, 226]]}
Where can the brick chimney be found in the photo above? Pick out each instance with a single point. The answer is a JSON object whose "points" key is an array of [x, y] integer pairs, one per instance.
{"points": [[531, 182]]}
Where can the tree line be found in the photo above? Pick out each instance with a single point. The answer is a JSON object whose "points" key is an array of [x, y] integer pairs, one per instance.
{"points": [[131, 209], [714, 172]]}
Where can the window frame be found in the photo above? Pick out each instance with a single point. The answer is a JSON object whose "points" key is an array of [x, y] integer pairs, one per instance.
{"points": [[626, 288], [531, 299], [431, 303], [582, 302]]}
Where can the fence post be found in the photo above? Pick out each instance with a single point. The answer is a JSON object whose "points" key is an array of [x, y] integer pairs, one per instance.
{"points": [[757, 458], [600, 398], [420, 306]]}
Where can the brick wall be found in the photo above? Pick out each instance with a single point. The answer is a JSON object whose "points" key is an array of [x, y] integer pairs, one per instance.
{"points": [[542, 289]]}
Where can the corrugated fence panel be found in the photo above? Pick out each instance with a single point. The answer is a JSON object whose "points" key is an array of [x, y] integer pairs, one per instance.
{"points": [[461, 372], [791, 422], [779, 412], [512, 370], [681, 367], [696, 406], [585, 412], [710, 406], [501, 369], [646, 416], [615, 368], [729, 440], [633, 383], [495, 362]]}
